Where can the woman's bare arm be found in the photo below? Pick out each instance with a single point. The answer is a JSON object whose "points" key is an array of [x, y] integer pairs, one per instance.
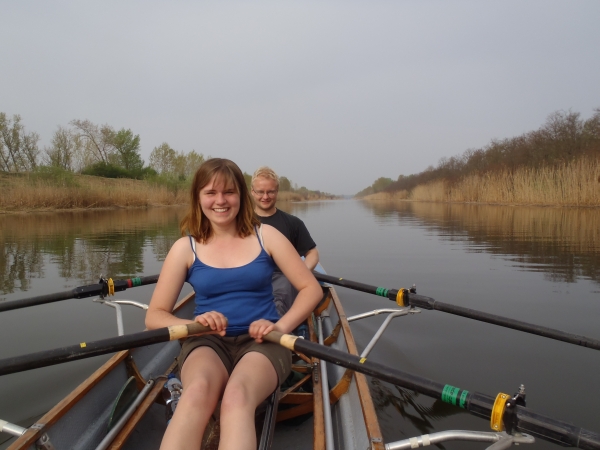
{"points": [[171, 279], [287, 259]]}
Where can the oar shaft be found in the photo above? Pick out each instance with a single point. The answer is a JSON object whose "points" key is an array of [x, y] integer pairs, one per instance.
{"points": [[429, 303], [78, 292], [95, 348], [477, 404], [369, 289], [421, 301]]}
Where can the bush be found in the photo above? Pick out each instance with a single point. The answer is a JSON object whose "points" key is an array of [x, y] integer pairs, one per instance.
{"points": [[171, 181], [105, 170], [56, 176]]}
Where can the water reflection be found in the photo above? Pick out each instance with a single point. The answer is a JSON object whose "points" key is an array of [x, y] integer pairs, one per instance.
{"points": [[418, 410], [563, 243], [301, 208], [79, 246]]}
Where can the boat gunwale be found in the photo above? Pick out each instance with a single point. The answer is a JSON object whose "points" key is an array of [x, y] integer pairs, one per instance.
{"points": [[37, 430], [364, 394]]}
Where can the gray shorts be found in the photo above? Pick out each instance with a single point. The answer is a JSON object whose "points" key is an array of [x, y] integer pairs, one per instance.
{"points": [[230, 350]]}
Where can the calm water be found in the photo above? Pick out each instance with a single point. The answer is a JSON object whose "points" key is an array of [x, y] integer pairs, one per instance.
{"points": [[539, 265]]}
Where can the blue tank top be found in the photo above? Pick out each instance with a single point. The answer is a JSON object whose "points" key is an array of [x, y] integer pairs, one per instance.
{"points": [[242, 294]]}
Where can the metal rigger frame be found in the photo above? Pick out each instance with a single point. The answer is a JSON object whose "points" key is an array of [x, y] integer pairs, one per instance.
{"points": [[503, 408]]}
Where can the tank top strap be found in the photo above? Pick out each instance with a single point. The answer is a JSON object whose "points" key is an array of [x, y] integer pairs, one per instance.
{"points": [[193, 245], [258, 232]]}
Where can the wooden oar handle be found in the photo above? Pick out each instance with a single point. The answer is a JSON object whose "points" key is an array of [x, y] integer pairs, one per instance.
{"points": [[197, 328], [285, 340], [183, 331]]}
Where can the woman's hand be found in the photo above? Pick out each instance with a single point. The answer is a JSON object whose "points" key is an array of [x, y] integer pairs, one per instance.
{"points": [[215, 320], [259, 328]]}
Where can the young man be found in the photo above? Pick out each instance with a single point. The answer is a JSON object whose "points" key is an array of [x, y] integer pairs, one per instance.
{"points": [[265, 187]]}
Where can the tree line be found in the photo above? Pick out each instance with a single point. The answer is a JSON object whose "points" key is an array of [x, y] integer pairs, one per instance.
{"points": [[564, 137], [101, 150], [89, 148]]}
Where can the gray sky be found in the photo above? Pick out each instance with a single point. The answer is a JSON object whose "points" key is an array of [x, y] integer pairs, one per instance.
{"points": [[331, 94]]}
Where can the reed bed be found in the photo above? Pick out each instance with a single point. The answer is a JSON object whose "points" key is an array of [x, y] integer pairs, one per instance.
{"points": [[576, 183], [30, 192], [383, 195], [60, 190]]}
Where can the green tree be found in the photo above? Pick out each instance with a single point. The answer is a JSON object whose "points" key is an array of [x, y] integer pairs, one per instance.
{"points": [[65, 149], [248, 180], [98, 141], [128, 149], [381, 183], [193, 161], [285, 184], [162, 159]]}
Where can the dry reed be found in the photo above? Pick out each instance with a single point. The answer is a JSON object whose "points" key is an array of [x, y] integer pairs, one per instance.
{"points": [[397, 195], [30, 193], [576, 183], [26, 192]]}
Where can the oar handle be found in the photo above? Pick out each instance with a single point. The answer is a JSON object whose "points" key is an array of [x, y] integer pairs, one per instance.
{"points": [[196, 328], [101, 347], [285, 340]]}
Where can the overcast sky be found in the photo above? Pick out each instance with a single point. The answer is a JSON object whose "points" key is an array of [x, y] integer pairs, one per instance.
{"points": [[331, 94]]}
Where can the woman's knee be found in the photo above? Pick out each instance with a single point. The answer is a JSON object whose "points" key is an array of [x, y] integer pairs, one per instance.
{"points": [[236, 396], [200, 391]]}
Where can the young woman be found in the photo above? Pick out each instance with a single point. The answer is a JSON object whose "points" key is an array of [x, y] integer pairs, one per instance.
{"points": [[228, 258]]}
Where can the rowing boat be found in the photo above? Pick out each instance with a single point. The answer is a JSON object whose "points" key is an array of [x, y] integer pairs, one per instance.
{"points": [[296, 418], [326, 406]]}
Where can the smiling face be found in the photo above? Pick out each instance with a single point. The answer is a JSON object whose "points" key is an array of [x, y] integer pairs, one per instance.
{"points": [[264, 193], [220, 202]]}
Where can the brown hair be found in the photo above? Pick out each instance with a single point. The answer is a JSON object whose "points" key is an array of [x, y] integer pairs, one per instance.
{"points": [[195, 223]]}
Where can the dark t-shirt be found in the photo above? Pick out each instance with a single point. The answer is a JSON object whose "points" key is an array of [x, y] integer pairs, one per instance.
{"points": [[293, 229]]}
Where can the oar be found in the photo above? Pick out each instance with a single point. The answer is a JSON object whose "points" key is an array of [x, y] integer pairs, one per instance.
{"points": [[518, 417], [101, 288], [406, 298], [101, 347], [477, 404]]}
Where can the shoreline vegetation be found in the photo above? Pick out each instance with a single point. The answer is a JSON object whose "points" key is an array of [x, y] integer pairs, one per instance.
{"points": [[50, 191], [576, 183], [91, 166], [556, 165]]}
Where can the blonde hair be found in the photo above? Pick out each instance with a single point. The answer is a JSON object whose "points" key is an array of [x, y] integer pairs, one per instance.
{"points": [[265, 172], [195, 223]]}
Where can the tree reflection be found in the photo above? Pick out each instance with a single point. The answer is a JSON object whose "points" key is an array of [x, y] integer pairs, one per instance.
{"points": [[563, 243], [83, 245], [17, 266], [419, 410]]}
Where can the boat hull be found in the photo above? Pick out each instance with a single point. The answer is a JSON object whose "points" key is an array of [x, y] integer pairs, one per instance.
{"points": [[81, 420]]}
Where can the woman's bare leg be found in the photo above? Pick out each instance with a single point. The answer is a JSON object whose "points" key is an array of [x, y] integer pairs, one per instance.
{"points": [[204, 377], [252, 380]]}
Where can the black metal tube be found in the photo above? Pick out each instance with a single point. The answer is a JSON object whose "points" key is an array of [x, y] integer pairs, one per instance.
{"points": [[75, 352], [429, 303], [88, 349], [369, 289], [78, 292], [477, 404], [423, 302]]}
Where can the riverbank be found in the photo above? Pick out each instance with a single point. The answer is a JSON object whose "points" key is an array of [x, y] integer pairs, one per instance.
{"points": [[38, 192], [570, 184]]}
